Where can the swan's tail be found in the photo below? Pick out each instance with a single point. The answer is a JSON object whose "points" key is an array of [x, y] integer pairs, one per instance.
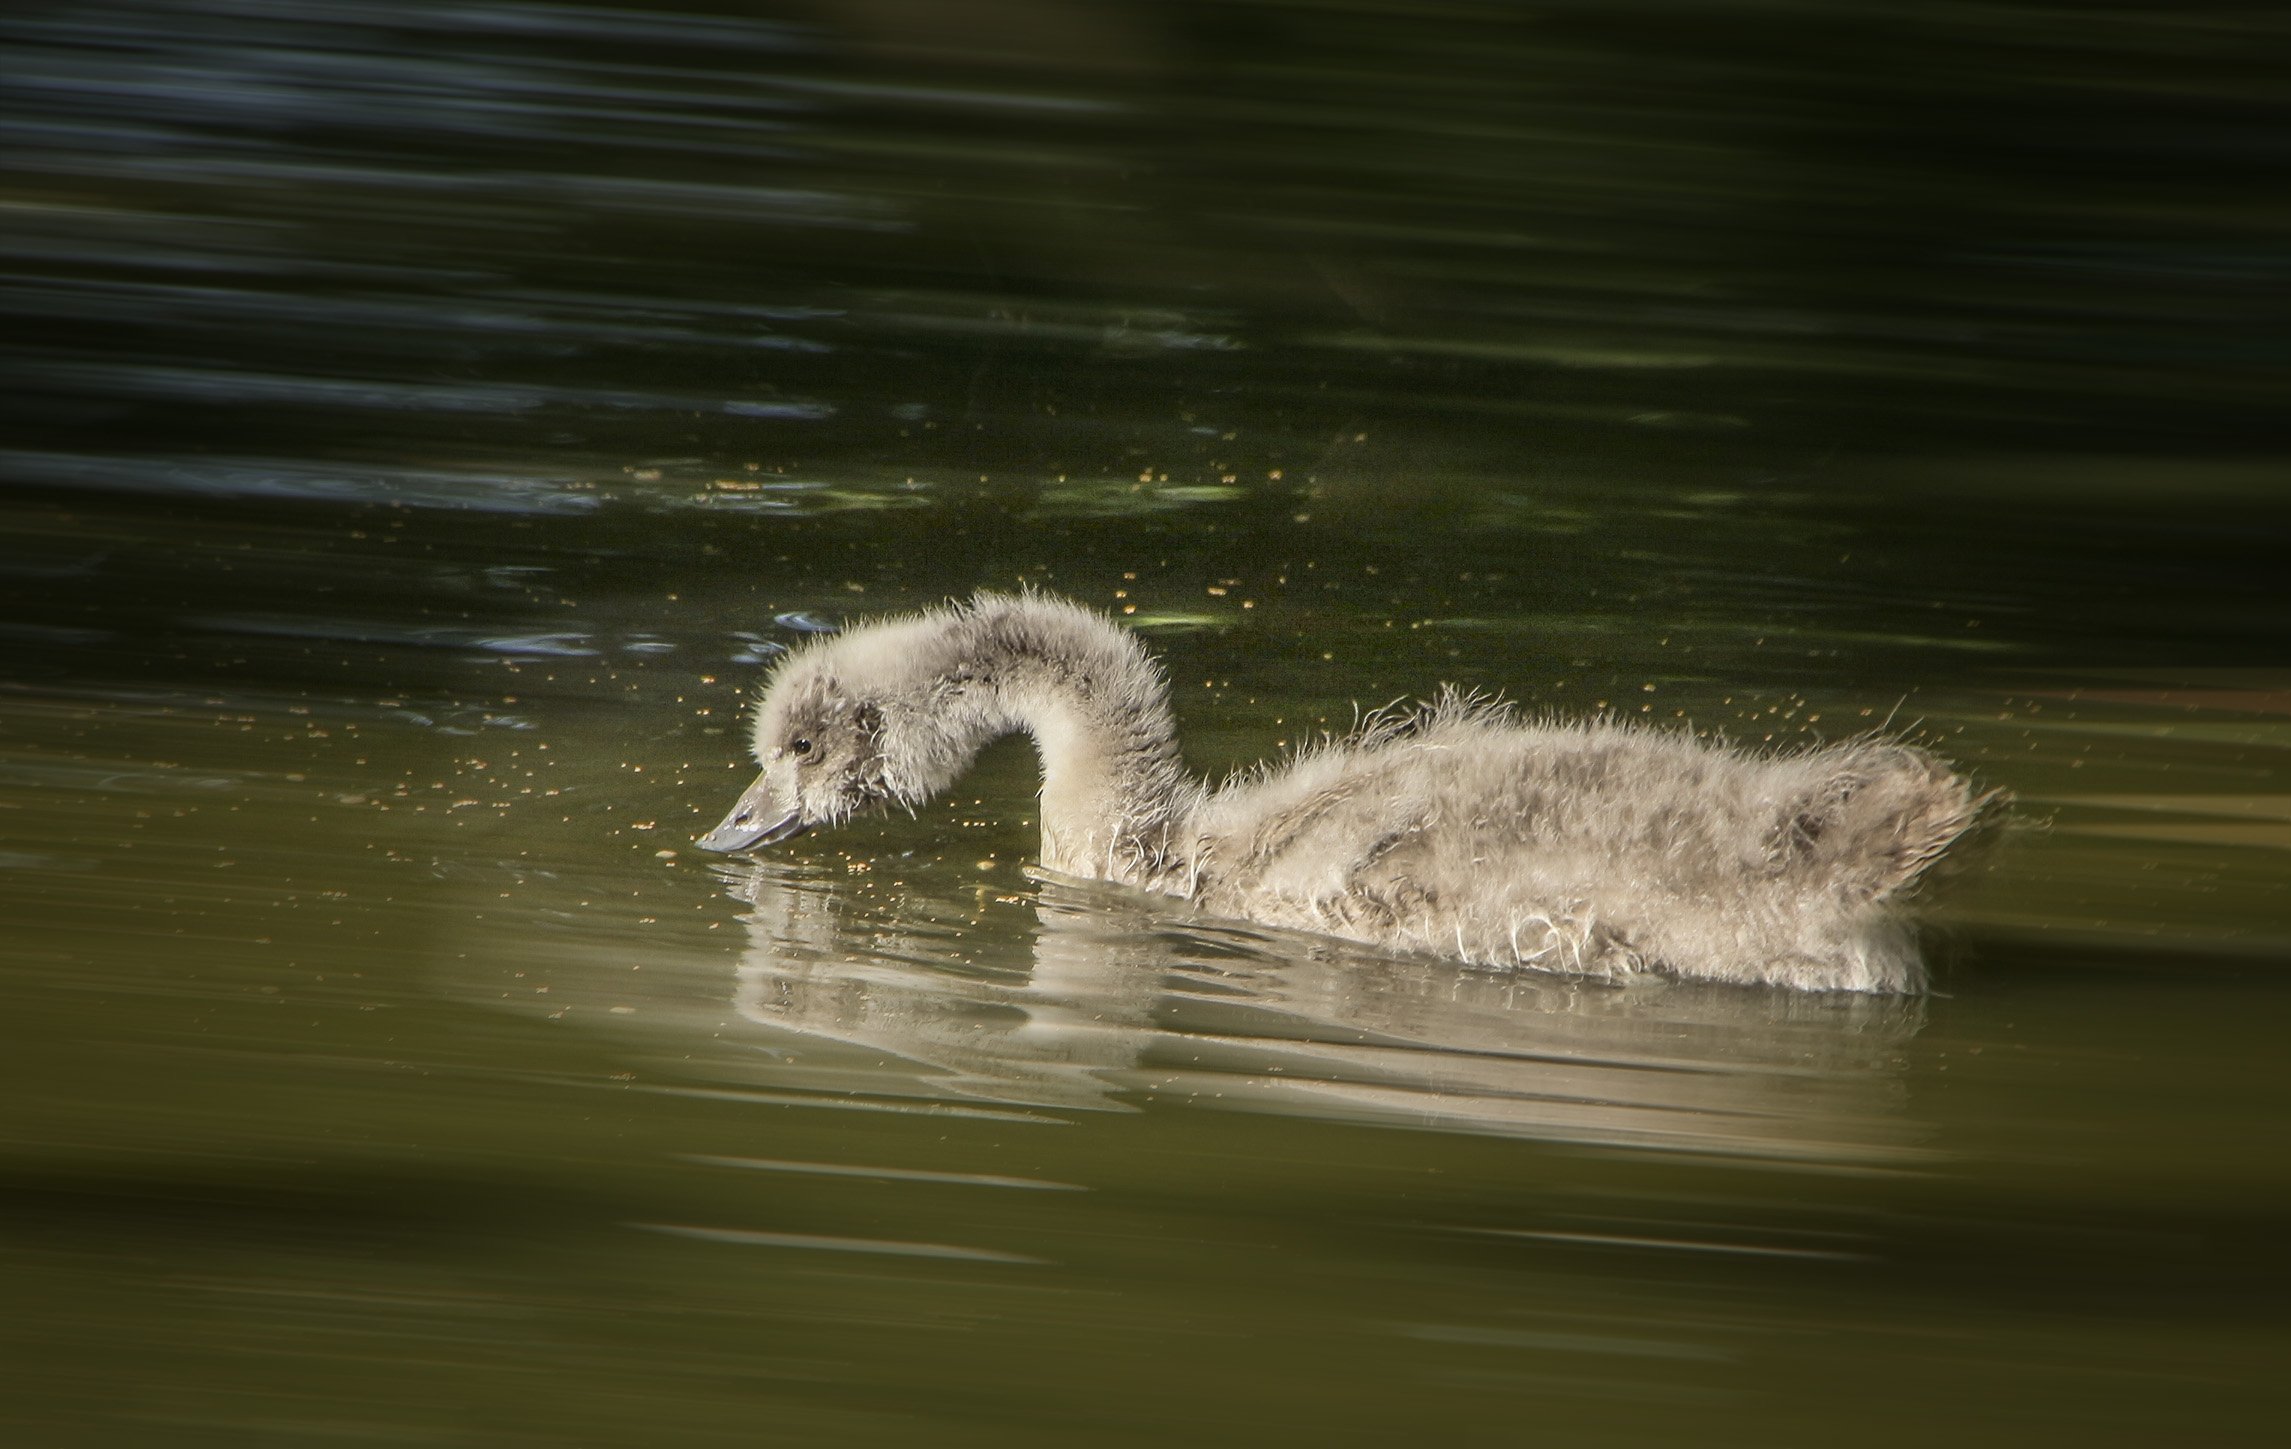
{"points": [[1874, 816]]}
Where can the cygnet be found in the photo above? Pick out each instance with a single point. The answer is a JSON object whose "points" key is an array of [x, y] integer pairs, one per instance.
{"points": [[1587, 847]]}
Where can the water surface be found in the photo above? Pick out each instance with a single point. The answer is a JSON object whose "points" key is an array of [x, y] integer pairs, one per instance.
{"points": [[427, 424]]}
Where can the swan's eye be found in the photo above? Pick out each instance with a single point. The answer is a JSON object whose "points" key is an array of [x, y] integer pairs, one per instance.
{"points": [[799, 746]]}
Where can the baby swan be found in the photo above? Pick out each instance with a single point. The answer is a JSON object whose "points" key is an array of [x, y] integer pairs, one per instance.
{"points": [[1585, 847]]}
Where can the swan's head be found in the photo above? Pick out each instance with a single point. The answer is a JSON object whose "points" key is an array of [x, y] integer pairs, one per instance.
{"points": [[846, 724], [821, 746]]}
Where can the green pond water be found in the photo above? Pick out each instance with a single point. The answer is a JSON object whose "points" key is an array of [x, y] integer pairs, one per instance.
{"points": [[428, 422]]}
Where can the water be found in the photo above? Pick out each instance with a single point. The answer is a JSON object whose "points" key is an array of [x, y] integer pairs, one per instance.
{"points": [[427, 424]]}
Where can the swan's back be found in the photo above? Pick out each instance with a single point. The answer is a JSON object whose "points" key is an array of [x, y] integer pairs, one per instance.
{"points": [[1589, 847]]}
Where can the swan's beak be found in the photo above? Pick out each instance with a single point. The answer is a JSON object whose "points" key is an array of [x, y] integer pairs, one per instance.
{"points": [[756, 820]]}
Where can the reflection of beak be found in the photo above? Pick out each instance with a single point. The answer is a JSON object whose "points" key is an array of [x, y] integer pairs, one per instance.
{"points": [[756, 820]]}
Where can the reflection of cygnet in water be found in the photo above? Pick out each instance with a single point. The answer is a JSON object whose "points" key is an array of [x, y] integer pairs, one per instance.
{"points": [[869, 987], [1588, 848], [1112, 1004]]}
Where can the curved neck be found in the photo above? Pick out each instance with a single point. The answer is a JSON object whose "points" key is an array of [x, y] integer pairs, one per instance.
{"points": [[1113, 787]]}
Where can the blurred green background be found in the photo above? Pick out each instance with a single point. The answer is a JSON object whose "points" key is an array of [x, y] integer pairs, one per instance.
{"points": [[426, 422]]}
